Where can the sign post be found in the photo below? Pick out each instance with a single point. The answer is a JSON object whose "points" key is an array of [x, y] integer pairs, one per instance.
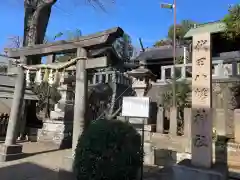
{"points": [[137, 107]]}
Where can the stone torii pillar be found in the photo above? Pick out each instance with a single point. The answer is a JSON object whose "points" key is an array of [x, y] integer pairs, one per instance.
{"points": [[80, 105], [81, 90], [10, 150]]}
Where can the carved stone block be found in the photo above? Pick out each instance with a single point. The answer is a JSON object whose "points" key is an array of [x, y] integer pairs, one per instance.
{"points": [[57, 132], [10, 152]]}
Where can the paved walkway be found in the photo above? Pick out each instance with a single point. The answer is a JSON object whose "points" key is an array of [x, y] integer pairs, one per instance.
{"points": [[41, 163]]}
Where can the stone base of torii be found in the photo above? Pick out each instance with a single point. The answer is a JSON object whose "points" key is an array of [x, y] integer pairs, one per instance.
{"points": [[10, 150]]}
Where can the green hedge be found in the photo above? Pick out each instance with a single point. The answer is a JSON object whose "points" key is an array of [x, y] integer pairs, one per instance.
{"points": [[108, 150]]}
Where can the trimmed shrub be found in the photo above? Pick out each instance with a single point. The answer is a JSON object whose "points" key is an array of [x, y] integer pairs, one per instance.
{"points": [[108, 150]]}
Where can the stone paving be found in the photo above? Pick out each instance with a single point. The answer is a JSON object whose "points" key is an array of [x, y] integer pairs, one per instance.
{"points": [[42, 162]]}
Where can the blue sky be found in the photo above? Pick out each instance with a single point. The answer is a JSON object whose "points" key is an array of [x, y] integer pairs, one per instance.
{"points": [[138, 18]]}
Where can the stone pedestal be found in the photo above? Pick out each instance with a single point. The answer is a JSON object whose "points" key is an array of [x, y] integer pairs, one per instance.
{"points": [[63, 110], [59, 129], [57, 132], [10, 152], [149, 154]]}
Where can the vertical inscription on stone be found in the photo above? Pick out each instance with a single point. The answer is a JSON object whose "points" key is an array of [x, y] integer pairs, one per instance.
{"points": [[201, 101]]}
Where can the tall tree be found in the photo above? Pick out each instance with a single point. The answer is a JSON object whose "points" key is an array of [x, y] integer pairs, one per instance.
{"points": [[37, 14], [163, 42], [232, 21], [181, 30], [124, 47]]}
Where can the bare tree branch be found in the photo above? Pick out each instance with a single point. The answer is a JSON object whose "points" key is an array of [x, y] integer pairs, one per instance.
{"points": [[14, 42]]}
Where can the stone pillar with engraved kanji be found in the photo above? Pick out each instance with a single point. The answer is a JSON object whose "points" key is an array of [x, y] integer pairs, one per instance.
{"points": [[202, 101]]}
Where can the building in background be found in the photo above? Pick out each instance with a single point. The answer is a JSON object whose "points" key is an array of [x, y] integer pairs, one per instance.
{"points": [[3, 64]]}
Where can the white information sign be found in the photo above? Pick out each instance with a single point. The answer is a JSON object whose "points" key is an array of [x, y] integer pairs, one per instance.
{"points": [[136, 107]]}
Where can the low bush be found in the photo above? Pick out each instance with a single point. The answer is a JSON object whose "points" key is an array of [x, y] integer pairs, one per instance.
{"points": [[108, 150]]}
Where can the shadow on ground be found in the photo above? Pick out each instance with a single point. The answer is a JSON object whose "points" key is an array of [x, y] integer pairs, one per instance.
{"points": [[25, 155], [156, 173], [27, 171]]}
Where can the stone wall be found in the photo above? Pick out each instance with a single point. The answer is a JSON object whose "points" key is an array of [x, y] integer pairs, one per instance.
{"points": [[170, 148], [57, 132], [223, 95]]}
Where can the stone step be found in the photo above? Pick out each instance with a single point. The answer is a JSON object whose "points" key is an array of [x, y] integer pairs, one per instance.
{"points": [[149, 156]]}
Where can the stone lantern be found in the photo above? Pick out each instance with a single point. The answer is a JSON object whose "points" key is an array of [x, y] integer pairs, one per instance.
{"points": [[141, 79], [141, 84]]}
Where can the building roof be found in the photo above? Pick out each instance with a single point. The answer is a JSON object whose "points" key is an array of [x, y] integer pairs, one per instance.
{"points": [[7, 86], [213, 27], [3, 58], [92, 41], [164, 52]]}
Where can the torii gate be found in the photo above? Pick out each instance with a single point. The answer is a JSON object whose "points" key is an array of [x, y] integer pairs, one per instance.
{"points": [[10, 150]]}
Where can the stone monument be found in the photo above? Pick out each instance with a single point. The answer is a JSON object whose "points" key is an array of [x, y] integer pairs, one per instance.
{"points": [[201, 166], [202, 123], [58, 128]]}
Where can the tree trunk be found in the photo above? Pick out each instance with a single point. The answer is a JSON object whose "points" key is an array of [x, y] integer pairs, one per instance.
{"points": [[36, 18], [37, 14]]}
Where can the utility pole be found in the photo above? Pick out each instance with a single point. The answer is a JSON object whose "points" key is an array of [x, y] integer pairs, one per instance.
{"points": [[174, 53], [173, 6]]}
